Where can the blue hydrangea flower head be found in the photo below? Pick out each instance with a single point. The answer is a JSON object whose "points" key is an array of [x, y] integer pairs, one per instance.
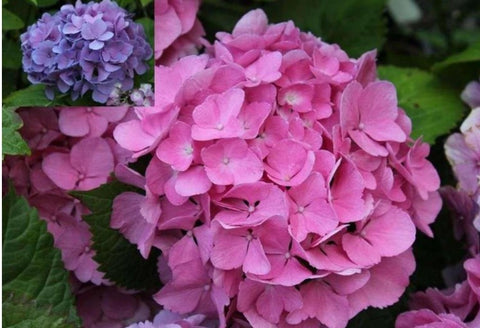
{"points": [[86, 46]]}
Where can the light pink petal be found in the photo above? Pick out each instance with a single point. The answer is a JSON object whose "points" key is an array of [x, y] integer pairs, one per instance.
{"points": [[179, 299], [253, 22], [177, 149], [126, 217], [391, 276], [391, 233], [332, 312], [93, 158], [228, 251], [157, 175], [98, 125], [298, 97], [347, 192], [269, 305], [265, 69], [367, 144], [349, 112], [360, 250], [73, 121], [192, 182], [216, 117], [256, 261], [58, 168], [131, 136]]}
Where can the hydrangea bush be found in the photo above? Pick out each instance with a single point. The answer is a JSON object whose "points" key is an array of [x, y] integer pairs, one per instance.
{"points": [[85, 47]]}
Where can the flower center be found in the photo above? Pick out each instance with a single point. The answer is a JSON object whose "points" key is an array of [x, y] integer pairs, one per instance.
{"points": [[300, 209], [188, 149], [226, 160], [361, 126], [287, 255], [220, 126]]}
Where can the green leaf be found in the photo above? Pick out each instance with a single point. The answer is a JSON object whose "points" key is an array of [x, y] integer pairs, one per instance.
{"points": [[118, 258], [11, 54], [35, 291], [471, 54], [145, 2], [357, 26], [45, 3], [33, 95], [433, 107], [10, 21], [12, 141]]}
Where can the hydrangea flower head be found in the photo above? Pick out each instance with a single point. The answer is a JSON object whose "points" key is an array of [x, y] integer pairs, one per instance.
{"points": [[85, 47], [286, 179]]}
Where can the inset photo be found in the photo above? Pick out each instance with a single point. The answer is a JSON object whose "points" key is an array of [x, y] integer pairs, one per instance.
{"points": [[78, 53]]}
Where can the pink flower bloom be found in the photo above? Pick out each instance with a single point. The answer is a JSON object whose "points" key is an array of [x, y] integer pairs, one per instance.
{"points": [[332, 312], [472, 266], [428, 319], [388, 231], [391, 275], [368, 116], [167, 319], [251, 204], [40, 127], [88, 121], [86, 167], [74, 241], [463, 152], [192, 290], [471, 94], [111, 307], [217, 116], [136, 216], [243, 247], [289, 163], [230, 161], [310, 212], [178, 149], [260, 302]]}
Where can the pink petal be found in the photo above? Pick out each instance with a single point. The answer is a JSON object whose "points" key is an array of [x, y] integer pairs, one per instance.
{"points": [[228, 251], [256, 261], [192, 182], [58, 168], [73, 122]]}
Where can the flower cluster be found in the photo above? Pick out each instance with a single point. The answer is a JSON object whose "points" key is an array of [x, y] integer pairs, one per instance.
{"points": [[72, 149], [458, 305], [178, 32], [85, 47], [283, 187]]}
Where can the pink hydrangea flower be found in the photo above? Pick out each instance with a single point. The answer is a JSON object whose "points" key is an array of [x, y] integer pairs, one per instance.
{"points": [[287, 190], [88, 121], [111, 307], [87, 166]]}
